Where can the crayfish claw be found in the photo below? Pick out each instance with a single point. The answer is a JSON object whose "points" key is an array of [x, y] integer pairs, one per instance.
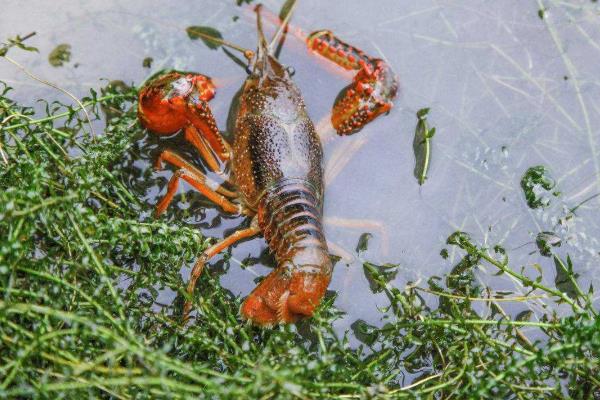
{"points": [[372, 90], [370, 95]]}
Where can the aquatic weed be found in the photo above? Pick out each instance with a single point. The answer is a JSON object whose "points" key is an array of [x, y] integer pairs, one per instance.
{"points": [[80, 274]]}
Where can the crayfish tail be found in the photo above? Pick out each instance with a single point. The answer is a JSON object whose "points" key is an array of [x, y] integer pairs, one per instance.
{"points": [[290, 218], [372, 90]]}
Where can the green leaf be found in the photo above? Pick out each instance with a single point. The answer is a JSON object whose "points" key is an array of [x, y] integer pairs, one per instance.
{"points": [[541, 13], [444, 253], [206, 34], [524, 315], [422, 113], [26, 48], [364, 332], [462, 277], [147, 63], [460, 239], [536, 181], [379, 275], [565, 279], [545, 241], [430, 133], [60, 55], [363, 242], [422, 146], [286, 8], [17, 41]]}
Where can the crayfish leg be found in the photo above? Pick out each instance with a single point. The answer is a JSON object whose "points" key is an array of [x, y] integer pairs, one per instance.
{"points": [[211, 189], [325, 43], [209, 253]]}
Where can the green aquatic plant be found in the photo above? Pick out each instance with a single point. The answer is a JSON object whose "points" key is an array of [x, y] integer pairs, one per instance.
{"points": [[17, 42], [60, 55], [422, 146], [536, 181], [81, 273], [210, 36]]}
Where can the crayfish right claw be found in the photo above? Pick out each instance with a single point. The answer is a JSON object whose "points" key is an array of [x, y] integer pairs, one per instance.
{"points": [[373, 88], [370, 95]]}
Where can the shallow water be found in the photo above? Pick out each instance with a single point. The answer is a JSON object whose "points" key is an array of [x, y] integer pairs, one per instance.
{"points": [[507, 90]]}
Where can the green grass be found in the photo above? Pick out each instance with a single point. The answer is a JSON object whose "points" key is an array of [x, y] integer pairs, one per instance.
{"points": [[71, 235]]}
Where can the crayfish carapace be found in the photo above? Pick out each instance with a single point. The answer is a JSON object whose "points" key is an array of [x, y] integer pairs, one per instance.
{"points": [[274, 164]]}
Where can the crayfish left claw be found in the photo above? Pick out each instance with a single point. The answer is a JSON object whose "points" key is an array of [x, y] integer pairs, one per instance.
{"points": [[179, 100]]}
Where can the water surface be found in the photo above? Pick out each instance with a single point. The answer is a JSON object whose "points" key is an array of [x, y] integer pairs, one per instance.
{"points": [[510, 85]]}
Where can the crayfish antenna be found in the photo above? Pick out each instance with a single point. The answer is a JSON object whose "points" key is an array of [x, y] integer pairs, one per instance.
{"points": [[283, 26], [263, 47]]}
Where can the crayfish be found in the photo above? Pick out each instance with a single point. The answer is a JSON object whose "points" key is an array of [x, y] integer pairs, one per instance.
{"points": [[274, 164]]}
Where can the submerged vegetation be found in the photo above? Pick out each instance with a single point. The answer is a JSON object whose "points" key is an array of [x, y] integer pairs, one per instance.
{"points": [[81, 272], [536, 182], [79, 275], [422, 146]]}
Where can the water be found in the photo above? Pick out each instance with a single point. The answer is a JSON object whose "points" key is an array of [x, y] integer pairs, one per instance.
{"points": [[507, 90]]}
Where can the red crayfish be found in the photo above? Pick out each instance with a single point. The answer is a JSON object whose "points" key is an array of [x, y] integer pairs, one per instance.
{"points": [[274, 163]]}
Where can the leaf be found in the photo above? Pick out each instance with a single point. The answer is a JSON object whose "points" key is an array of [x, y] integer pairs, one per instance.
{"points": [[205, 33], [433, 285], [460, 239], [286, 8], [17, 41], [565, 279], [524, 315], [444, 253], [364, 332], [545, 241], [26, 48], [504, 292], [422, 146], [422, 113], [462, 278], [379, 275], [542, 13], [535, 182], [115, 86], [363, 242], [60, 55]]}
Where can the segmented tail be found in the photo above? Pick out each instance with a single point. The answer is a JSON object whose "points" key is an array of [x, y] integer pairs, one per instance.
{"points": [[289, 215]]}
